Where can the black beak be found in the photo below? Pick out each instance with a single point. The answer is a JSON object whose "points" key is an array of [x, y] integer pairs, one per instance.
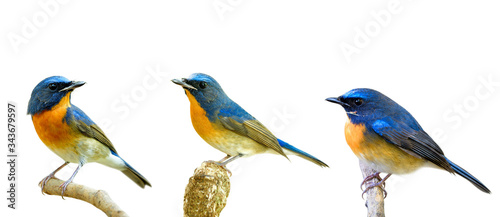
{"points": [[182, 82], [338, 101], [73, 85]]}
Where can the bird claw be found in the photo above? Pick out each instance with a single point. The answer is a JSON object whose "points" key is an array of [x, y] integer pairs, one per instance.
{"points": [[63, 186], [222, 164], [380, 183], [50, 176], [370, 177], [44, 181]]}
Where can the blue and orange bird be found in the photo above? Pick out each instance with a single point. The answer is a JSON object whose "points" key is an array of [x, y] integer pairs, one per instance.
{"points": [[386, 137], [229, 128], [70, 133]]}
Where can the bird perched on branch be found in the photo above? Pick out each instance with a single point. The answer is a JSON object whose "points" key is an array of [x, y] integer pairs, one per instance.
{"points": [[229, 128], [386, 137], [70, 133]]}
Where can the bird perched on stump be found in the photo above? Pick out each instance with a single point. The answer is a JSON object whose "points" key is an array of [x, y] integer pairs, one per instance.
{"points": [[229, 128]]}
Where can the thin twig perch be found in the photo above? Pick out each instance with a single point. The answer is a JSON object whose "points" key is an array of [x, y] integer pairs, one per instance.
{"points": [[375, 196], [99, 198], [207, 191]]}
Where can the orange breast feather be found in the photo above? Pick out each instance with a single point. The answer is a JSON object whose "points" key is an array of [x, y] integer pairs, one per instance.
{"points": [[51, 128], [354, 135], [199, 119], [372, 148]]}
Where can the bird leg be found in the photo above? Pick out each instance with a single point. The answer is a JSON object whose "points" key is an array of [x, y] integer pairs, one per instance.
{"points": [[224, 161], [65, 184], [50, 176], [380, 184], [228, 159]]}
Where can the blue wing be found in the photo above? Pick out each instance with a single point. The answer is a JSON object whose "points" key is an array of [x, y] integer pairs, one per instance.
{"points": [[411, 138], [76, 118], [236, 119]]}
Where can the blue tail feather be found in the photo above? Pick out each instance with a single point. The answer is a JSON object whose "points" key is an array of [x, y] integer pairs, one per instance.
{"points": [[301, 153], [133, 174], [460, 171]]}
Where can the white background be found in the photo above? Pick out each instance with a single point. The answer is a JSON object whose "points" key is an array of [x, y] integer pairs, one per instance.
{"points": [[271, 57]]}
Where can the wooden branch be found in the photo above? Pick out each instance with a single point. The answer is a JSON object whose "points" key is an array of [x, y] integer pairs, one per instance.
{"points": [[375, 196], [99, 198], [207, 191]]}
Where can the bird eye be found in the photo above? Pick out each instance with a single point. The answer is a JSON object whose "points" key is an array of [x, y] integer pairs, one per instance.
{"points": [[358, 102], [203, 85], [52, 86]]}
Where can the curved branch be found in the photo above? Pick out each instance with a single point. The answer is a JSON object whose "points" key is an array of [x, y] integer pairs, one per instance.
{"points": [[375, 196], [99, 198], [207, 191]]}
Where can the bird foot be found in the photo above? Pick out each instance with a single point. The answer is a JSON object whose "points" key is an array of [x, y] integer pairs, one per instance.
{"points": [[44, 181], [380, 183], [50, 176], [370, 177], [63, 186], [222, 164]]}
